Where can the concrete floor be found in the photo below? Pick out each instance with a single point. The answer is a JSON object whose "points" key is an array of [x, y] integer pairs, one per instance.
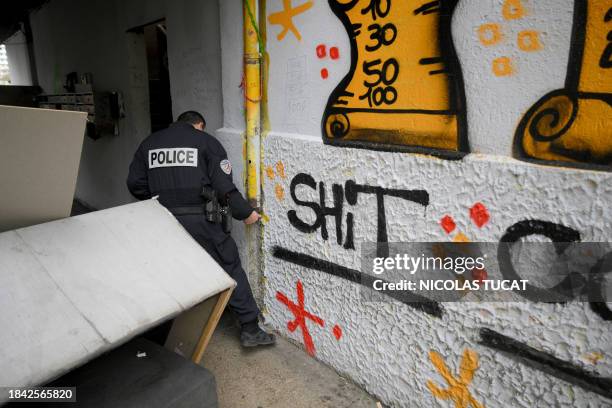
{"points": [[278, 376]]}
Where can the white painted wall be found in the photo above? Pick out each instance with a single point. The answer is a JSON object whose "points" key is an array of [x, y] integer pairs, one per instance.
{"points": [[91, 37], [385, 347]]}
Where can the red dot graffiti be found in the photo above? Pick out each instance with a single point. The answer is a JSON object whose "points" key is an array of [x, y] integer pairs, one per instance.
{"points": [[448, 224], [479, 214], [479, 274], [337, 332], [321, 53], [334, 53], [300, 313]]}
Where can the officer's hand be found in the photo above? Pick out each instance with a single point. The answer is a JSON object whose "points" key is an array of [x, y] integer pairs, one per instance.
{"points": [[253, 218]]}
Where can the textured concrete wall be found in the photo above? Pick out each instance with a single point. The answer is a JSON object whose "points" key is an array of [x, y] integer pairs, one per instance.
{"points": [[497, 59], [385, 346]]}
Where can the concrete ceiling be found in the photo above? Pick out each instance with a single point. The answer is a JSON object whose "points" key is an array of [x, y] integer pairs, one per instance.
{"points": [[13, 13]]}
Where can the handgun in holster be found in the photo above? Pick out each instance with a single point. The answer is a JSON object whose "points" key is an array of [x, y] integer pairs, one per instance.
{"points": [[216, 211]]}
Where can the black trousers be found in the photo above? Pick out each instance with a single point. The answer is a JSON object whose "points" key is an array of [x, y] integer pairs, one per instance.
{"points": [[222, 248]]}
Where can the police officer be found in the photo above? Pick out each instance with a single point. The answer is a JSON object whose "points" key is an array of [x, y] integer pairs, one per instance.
{"points": [[176, 164]]}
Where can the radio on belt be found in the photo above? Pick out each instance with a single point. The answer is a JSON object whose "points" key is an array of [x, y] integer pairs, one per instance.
{"points": [[214, 211]]}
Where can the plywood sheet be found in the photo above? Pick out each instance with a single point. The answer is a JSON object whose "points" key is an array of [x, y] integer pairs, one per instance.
{"points": [[187, 328], [40, 150]]}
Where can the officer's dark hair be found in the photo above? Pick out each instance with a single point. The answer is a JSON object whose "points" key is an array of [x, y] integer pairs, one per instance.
{"points": [[191, 117]]}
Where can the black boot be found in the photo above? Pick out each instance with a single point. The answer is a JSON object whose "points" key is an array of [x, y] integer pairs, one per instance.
{"points": [[252, 336]]}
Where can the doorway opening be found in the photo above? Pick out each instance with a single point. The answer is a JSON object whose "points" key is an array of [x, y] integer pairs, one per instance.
{"points": [[160, 101]]}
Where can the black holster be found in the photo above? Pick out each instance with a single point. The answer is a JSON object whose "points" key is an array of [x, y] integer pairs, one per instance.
{"points": [[215, 211]]}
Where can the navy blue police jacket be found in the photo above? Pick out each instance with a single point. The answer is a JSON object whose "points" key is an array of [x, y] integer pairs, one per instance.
{"points": [[177, 162]]}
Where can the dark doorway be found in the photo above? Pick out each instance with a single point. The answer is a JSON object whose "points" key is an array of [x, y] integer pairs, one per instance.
{"points": [[160, 102]]}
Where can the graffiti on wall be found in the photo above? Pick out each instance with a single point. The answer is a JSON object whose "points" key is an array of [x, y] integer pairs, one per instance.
{"points": [[351, 192], [457, 390], [479, 214], [412, 98], [404, 90], [546, 362], [284, 18], [303, 316], [493, 34], [573, 125], [344, 197], [322, 54]]}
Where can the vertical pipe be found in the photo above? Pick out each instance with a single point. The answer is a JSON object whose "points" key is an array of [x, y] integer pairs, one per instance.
{"points": [[265, 69], [252, 80]]}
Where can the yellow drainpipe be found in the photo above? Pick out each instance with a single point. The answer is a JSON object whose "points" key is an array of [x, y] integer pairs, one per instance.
{"points": [[252, 83]]}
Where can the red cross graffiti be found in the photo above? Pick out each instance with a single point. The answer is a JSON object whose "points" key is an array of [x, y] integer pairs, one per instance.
{"points": [[300, 313]]}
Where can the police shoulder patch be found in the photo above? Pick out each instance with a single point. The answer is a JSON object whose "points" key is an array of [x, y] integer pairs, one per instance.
{"points": [[226, 166]]}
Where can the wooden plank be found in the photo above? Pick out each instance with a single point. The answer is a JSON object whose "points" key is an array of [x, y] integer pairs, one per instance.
{"points": [[191, 330], [210, 326], [187, 327]]}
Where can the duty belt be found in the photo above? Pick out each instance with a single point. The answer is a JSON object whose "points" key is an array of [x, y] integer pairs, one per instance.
{"points": [[187, 210], [212, 210]]}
